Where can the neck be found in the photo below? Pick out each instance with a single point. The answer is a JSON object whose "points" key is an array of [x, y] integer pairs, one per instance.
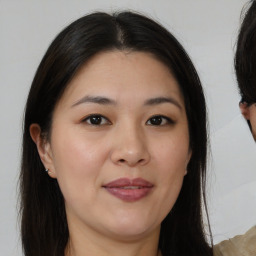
{"points": [[71, 250]]}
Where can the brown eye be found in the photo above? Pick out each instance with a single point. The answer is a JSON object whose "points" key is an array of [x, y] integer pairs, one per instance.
{"points": [[159, 120], [96, 120]]}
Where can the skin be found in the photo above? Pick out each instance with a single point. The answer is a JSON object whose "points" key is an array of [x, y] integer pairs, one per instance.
{"points": [[249, 113], [127, 142]]}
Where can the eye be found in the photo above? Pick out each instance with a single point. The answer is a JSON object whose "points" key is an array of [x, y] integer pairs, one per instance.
{"points": [[159, 120], [96, 119]]}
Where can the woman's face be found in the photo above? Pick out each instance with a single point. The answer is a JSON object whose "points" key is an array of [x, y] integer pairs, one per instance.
{"points": [[119, 145]]}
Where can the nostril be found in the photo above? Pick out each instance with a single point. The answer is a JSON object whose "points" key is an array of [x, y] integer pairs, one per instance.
{"points": [[131, 162]]}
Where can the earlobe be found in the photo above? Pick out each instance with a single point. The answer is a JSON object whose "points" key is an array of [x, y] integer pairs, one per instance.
{"points": [[43, 148], [244, 108]]}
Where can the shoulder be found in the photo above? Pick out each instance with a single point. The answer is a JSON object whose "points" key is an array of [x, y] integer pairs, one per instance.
{"points": [[239, 245]]}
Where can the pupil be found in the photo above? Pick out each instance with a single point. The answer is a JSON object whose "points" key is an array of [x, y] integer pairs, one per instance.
{"points": [[156, 120], [95, 120]]}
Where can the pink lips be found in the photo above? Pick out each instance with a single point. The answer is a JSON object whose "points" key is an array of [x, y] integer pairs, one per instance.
{"points": [[129, 189]]}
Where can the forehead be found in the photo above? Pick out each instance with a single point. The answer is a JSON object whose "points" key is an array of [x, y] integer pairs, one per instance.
{"points": [[118, 74]]}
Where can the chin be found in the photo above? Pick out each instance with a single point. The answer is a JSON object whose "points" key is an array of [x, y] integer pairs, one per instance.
{"points": [[131, 235], [129, 228]]}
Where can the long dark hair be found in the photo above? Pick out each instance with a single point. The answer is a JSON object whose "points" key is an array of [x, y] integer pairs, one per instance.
{"points": [[245, 56], [44, 228]]}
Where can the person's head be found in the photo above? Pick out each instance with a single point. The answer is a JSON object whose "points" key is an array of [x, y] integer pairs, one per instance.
{"points": [[116, 113], [245, 66]]}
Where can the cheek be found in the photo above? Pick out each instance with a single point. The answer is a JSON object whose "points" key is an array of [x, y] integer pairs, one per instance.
{"points": [[172, 159], [173, 154], [253, 124], [253, 120], [76, 162], [172, 173]]}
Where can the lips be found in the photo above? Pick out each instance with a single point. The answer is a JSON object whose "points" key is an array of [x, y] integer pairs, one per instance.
{"points": [[129, 190]]}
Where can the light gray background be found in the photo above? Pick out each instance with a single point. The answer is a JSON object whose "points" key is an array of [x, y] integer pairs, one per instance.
{"points": [[206, 28]]}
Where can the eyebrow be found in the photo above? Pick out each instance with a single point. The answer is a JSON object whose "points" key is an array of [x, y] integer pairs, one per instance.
{"points": [[106, 101], [95, 99], [161, 100]]}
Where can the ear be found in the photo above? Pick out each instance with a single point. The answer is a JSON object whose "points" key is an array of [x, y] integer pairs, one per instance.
{"points": [[245, 110], [43, 148]]}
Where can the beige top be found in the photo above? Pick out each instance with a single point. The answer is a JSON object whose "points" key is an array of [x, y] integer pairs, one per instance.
{"points": [[242, 245]]}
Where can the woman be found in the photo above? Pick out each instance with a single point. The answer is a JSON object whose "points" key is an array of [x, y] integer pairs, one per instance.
{"points": [[116, 116]]}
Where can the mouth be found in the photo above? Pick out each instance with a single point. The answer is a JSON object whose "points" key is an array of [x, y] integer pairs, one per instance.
{"points": [[129, 190]]}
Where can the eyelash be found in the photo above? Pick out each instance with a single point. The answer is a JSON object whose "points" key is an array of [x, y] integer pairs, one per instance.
{"points": [[88, 119], [167, 119], [100, 117]]}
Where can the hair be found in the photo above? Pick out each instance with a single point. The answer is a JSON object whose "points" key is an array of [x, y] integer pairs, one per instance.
{"points": [[245, 56], [44, 229]]}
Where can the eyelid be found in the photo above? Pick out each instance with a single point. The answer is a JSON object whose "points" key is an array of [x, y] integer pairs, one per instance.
{"points": [[168, 119], [85, 119]]}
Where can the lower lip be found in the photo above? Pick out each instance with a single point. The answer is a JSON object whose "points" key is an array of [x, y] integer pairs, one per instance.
{"points": [[129, 195]]}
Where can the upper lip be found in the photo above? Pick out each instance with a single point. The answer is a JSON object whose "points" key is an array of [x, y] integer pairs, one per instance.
{"points": [[126, 182]]}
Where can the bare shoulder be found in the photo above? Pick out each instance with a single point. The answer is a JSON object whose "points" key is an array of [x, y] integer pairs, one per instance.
{"points": [[239, 245]]}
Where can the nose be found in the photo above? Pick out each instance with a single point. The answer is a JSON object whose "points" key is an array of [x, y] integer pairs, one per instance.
{"points": [[130, 147]]}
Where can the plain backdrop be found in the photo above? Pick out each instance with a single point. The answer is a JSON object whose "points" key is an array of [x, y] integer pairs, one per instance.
{"points": [[206, 28]]}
